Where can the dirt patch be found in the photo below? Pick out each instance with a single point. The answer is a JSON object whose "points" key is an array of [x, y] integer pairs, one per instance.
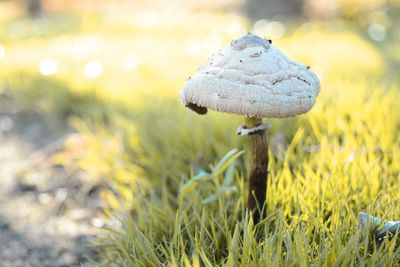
{"points": [[48, 216]]}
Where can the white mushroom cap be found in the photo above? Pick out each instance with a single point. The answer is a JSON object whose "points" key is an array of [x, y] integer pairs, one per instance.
{"points": [[251, 77]]}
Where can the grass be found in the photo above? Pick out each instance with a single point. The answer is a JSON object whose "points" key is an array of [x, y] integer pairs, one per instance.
{"points": [[341, 159], [177, 182]]}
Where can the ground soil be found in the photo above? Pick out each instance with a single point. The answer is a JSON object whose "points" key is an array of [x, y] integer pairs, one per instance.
{"points": [[48, 216]]}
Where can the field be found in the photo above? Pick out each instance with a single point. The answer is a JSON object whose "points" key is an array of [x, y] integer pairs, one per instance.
{"points": [[175, 183]]}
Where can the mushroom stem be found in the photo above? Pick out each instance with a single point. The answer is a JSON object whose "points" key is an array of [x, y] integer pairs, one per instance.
{"points": [[258, 169]]}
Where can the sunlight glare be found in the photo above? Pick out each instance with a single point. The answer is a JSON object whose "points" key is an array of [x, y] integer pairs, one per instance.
{"points": [[85, 45], [48, 66], [93, 69]]}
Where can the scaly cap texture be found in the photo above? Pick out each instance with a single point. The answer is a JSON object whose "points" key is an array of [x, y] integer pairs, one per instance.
{"points": [[251, 77]]}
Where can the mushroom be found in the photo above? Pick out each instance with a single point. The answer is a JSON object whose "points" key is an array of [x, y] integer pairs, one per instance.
{"points": [[251, 77], [380, 227]]}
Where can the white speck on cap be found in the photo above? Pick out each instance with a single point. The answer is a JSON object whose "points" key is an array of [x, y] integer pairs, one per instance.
{"points": [[251, 77]]}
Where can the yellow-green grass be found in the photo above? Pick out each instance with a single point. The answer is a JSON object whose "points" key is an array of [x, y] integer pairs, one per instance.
{"points": [[342, 159]]}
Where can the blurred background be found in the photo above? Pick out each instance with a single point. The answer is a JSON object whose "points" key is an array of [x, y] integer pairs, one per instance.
{"points": [[89, 111]]}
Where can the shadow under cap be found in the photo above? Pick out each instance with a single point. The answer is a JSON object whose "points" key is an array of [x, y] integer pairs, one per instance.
{"points": [[196, 108]]}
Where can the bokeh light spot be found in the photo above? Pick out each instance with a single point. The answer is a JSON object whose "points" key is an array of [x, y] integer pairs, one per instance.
{"points": [[260, 27], [16, 30], [275, 29], [83, 46], [40, 26], [48, 66], [377, 32], [93, 69]]}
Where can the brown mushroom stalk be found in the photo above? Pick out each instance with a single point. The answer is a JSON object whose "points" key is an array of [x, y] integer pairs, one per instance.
{"points": [[258, 169], [255, 129]]}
